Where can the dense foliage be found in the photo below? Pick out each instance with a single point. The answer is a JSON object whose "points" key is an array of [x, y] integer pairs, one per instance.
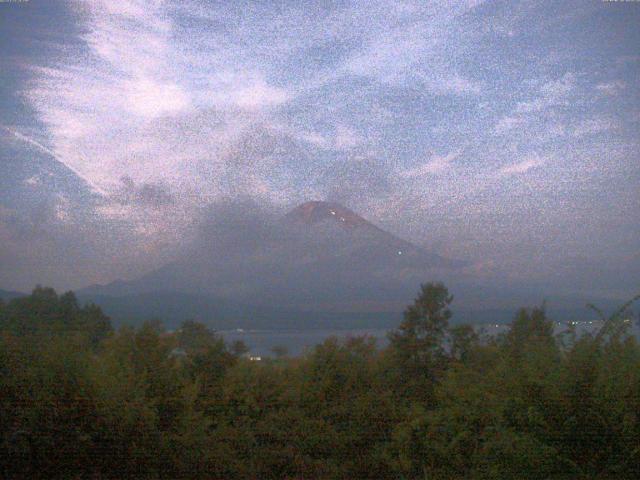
{"points": [[78, 400]]}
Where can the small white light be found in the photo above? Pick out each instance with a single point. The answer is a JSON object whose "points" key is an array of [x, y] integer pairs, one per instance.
{"points": [[399, 252], [332, 212]]}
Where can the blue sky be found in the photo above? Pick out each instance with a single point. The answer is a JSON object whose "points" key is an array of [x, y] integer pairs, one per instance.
{"points": [[505, 133]]}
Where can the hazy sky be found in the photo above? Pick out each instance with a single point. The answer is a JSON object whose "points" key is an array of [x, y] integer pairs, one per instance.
{"points": [[503, 133]]}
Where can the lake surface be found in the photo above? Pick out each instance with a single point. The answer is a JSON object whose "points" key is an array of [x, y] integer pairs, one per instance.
{"points": [[261, 342]]}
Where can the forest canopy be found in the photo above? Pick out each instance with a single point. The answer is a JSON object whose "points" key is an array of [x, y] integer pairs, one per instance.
{"points": [[80, 400]]}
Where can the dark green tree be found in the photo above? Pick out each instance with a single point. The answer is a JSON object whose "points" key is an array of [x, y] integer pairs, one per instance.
{"points": [[239, 348], [528, 329], [417, 346], [464, 340], [45, 314], [280, 351], [195, 337]]}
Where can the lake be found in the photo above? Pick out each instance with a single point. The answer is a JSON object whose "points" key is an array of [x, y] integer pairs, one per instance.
{"points": [[261, 342]]}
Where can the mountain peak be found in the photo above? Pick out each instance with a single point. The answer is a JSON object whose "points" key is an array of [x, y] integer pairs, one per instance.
{"points": [[316, 211]]}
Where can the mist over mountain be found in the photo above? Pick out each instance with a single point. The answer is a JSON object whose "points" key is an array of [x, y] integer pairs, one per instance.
{"points": [[318, 265], [318, 256]]}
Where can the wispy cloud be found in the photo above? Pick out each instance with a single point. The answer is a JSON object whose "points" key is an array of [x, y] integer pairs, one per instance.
{"points": [[611, 88], [39, 146], [30, 141], [148, 96], [522, 167], [126, 103], [552, 93], [436, 164], [346, 138], [594, 125], [508, 123]]}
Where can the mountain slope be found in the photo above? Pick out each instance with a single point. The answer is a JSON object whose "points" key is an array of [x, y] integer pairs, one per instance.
{"points": [[367, 239], [319, 257], [317, 211]]}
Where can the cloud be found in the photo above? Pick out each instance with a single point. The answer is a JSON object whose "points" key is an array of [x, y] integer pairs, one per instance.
{"points": [[127, 102], [461, 85], [508, 123], [316, 139], [611, 88], [436, 164], [30, 141], [594, 125], [346, 138], [33, 181], [261, 95], [144, 195], [248, 92], [451, 84], [552, 93], [41, 221], [193, 102], [539, 111], [416, 45], [522, 167], [149, 94], [148, 98], [343, 138], [353, 179]]}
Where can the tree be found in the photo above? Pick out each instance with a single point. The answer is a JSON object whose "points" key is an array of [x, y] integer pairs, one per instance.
{"points": [[44, 313], [463, 339], [195, 337], [239, 348], [418, 344], [280, 351], [530, 328]]}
